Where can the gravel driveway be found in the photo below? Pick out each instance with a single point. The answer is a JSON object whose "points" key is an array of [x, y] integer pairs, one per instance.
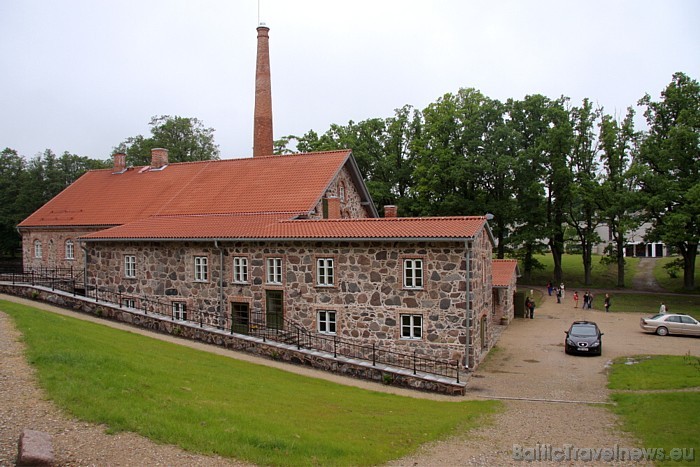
{"points": [[546, 392], [547, 397]]}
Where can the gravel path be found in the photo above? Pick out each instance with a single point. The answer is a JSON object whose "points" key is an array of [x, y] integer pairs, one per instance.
{"points": [[547, 397]]}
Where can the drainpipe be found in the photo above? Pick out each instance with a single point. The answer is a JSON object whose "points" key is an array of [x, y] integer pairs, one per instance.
{"points": [[221, 278], [467, 246], [85, 267]]}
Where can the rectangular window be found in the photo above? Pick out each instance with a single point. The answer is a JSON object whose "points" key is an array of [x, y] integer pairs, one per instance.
{"points": [[130, 266], [37, 249], [70, 250], [179, 311], [413, 273], [274, 270], [201, 268], [324, 272], [129, 303], [411, 326], [240, 269], [326, 322]]}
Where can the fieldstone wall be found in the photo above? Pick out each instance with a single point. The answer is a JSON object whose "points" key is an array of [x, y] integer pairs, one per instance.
{"points": [[367, 295], [53, 246], [361, 370], [350, 206], [480, 299]]}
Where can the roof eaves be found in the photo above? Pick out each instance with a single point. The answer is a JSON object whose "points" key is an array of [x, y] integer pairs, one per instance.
{"points": [[278, 239]]}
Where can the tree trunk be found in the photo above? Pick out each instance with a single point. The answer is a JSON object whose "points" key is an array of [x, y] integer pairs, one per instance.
{"points": [[620, 262], [689, 254], [587, 249]]}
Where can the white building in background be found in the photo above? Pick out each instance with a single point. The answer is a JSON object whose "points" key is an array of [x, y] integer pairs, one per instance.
{"points": [[635, 245]]}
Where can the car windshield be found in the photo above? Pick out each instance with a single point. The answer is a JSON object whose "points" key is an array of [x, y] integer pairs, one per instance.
{"points": [[583, 330], [657, 316]]}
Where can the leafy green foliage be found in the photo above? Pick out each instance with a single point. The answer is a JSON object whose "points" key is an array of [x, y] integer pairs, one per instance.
{"points": [[185, 138], [669, 169], [27, 185], [216, 405]]}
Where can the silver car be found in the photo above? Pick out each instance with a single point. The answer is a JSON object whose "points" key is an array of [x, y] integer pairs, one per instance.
{"points": [[671, 323]]}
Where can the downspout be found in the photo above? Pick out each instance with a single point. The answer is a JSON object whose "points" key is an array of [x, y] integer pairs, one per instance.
{"points": [[221, 278], [467, 246], [85, 267]]}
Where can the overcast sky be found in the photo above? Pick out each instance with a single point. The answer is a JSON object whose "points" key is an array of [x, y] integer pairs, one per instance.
{"points": [[83, 75]]}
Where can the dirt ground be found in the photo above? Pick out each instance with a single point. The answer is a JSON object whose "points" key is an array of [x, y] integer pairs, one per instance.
{"points": [[550, 399]]}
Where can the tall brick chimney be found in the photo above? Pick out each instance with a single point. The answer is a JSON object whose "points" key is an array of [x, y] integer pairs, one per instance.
{"points": [[262, 122], [119, 162], [159, 158]]}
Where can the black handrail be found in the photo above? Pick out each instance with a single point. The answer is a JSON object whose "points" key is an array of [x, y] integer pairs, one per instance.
{"points": [[289, 333]]}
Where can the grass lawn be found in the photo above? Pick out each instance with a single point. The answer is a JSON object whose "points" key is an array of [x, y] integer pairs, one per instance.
{"points": [[216, 405], [669, 283], [603, 276], [665, 420], [649, 303]]}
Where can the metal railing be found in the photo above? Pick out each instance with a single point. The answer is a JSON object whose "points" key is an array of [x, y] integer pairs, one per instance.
{"points": [[283, 331]]}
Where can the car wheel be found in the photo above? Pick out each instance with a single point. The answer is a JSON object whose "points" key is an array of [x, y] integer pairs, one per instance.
{"points": [[661, 331]]}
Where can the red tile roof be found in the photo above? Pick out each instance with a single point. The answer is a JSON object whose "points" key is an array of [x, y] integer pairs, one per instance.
{"points": [[293, 183], [504, 271], [277, 226]]}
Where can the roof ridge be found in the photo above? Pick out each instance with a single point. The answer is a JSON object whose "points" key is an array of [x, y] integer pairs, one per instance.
{"points": [[390, 219], [226, 214]]}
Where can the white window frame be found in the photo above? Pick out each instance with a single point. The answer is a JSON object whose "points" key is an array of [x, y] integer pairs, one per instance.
{"points": [[70, 249], [240, 269], [130, 266], [411, 326], [129, 302], [201, 269], [274, 270], [327, 321], [179, 311], [325, 272], [413, 273], [38, 253]]}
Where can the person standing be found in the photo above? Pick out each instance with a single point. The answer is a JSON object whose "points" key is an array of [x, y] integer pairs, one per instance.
{"points": [[558, 292], [576, 299], [606, 303], [662, 308], [532, 308], [585, 300], [562, 290], [590, 301], [549, 288]]}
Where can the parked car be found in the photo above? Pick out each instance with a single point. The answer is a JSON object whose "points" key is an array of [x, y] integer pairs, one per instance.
{"points": [[671, 323], [583, 337]]}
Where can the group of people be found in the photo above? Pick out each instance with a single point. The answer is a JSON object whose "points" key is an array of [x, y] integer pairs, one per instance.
{"points": [[587, 300], [559, 292]]}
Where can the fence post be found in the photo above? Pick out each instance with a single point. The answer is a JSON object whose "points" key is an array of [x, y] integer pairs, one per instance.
{"points": [[457, 368], [414, 362], [298, 340], [335, 347], [32, 277], [374, 356]]}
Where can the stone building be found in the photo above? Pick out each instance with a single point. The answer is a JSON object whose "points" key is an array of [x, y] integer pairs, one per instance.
{"points": [[272, 240]]}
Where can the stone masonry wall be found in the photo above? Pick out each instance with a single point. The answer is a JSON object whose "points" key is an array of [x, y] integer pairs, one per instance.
{"points": [[350, 207], [481, 297], [367, 294], [53, 246]]}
